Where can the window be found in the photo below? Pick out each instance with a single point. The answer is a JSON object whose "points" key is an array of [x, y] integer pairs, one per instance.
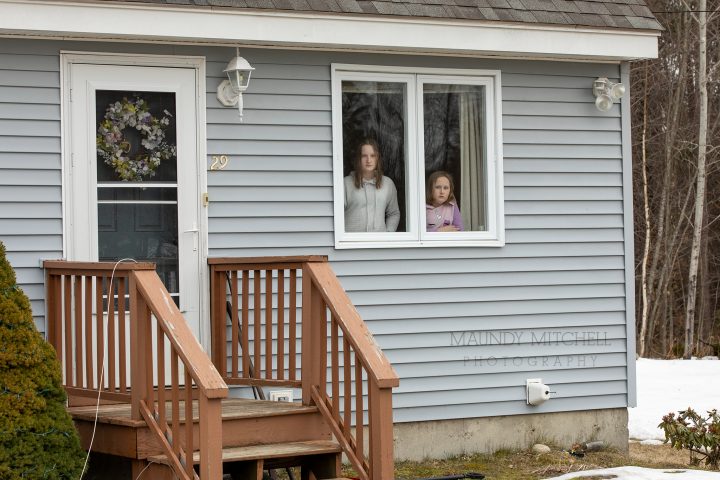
{"points": [[417, 157]]}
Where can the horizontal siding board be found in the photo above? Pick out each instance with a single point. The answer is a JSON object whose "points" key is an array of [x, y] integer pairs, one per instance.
{"points": [[420, 297], [546, 122], [462, 366], [30, 128], [553, 207], [544, 81], [30, 210], [275, 147], [20, 194], [561, 151], [275, 71], [33, 63], [532, 165], [28, 111], [269, 194], [27, 226], [272, 117], [558, 108], [484, 341], [558, 179], [35, 145], [28, 78], [560, 137], [275, 209], [230, 178], [267, 163], [578, 305], [30, 177], [32, 259], [471, 410], [30, 161], [532, 94], [449, 280], [274, 102], [505, 394], [274, 86], [515, 222], [29, 95], [563, 193], [448, 353], [565, 235], [573, 320], [31, 243], [287, 224], [266, 132]]}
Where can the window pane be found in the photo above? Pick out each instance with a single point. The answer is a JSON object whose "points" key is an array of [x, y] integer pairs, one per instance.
{"points": [[455, 157], [374, 184]]}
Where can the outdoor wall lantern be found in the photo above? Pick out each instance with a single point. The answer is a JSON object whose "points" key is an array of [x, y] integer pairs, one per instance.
{"points": [[230, 91], [607, 92]]}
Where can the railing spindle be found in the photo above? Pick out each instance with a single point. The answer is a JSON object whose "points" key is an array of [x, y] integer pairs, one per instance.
{"points": [[88, 320], [189, 447], [335, 368], [347, 384], [268, 323], [281, 325], [256, 324], [245, 323], [121, 335], [292, 331], [175, 412], [234, 339], [100, 340], [358, 409], [160, 375], [79, 360], [111, 334], [67, 299]]}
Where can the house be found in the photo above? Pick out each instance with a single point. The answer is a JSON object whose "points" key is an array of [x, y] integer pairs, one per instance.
{"points": [[499, 93]]}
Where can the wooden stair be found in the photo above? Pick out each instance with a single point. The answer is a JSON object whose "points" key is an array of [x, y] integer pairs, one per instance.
{"points": [[256, 435]]}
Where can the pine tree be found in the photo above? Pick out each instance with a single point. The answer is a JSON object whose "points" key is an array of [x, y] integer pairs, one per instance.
{"points": [[37, 437]]}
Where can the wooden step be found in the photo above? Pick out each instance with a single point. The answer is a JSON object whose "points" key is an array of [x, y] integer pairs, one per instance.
{"points": [[245, 422], [319, 457], [267, 452]]}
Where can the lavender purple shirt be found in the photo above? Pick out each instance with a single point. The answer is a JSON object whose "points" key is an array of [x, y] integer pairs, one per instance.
{"points": [[446, 214]]}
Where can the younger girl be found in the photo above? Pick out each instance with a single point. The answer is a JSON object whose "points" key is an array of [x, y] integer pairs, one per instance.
{"points": [[442, 213]]}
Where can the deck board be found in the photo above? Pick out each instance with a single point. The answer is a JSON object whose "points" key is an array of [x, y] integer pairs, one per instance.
{"points": [[232, 408]]}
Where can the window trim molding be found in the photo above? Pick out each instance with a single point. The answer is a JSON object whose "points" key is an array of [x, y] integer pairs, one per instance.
{"points": [[414, 78]]}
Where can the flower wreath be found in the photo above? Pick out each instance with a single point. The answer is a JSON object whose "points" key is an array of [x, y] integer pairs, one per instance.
{"points": [[115, 149]]}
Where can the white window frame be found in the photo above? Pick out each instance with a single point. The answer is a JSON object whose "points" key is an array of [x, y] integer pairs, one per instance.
{"points": [[416, 236]]}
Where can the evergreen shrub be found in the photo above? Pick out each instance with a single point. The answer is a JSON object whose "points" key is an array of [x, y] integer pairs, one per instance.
{"points": [[695, 433], [37, 437]]}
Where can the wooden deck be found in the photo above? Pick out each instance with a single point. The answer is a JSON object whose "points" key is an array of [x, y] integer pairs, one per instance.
{"points": [[277, 322]]}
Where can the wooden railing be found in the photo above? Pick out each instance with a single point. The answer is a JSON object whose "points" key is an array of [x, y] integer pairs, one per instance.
{"points": [[166, 365], [258, 345]]}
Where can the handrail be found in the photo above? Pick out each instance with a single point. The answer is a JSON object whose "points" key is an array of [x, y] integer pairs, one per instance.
{"points": [[95, 352], [353, 326], [355, 356]]}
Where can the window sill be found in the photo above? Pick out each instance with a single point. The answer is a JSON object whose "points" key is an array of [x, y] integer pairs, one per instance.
{"points": [[346, 245]]}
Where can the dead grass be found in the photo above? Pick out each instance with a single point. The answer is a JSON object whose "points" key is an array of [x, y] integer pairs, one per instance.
{"points": [[524, 465]]}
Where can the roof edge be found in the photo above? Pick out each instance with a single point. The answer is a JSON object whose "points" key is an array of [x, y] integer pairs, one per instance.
{"points": [[119, 21]]}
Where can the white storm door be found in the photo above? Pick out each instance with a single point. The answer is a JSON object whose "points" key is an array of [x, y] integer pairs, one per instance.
{"points": [[112, 214]]}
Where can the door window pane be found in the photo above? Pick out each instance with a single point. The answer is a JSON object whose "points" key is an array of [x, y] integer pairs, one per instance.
{"points": [[137, 180], [374, 156], [455, 157]]}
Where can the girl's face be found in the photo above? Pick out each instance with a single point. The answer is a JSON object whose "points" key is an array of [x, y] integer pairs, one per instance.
{"points": [[441, 191], [368, 161]]}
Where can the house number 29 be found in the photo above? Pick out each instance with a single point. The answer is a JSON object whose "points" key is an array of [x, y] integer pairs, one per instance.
{"points": [[219, 162]]}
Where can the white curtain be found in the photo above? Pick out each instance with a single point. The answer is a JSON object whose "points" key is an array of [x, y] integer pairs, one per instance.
{"points": [[472, 162]]}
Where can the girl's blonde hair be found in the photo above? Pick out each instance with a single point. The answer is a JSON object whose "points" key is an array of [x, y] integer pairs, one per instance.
{"points": [[431, 183], [357, 177]]}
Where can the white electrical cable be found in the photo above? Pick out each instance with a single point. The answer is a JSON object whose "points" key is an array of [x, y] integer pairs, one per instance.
{"points": [[111, 301]]}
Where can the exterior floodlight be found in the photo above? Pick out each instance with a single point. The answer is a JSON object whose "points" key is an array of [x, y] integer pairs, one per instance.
{"points": [[230, 91], [606, 93]]}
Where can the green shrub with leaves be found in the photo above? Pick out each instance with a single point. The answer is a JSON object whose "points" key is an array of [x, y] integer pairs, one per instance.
{"points": [[699, 435], [37, 437]]}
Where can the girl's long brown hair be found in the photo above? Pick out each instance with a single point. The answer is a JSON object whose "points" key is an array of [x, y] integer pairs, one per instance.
{"points": [[358, 178], [431, 183]]}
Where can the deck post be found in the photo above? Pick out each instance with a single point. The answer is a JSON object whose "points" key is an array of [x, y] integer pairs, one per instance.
{"points": [[211, 465], [381, 428], [138, 309], [310, 367], [217, 316]]}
